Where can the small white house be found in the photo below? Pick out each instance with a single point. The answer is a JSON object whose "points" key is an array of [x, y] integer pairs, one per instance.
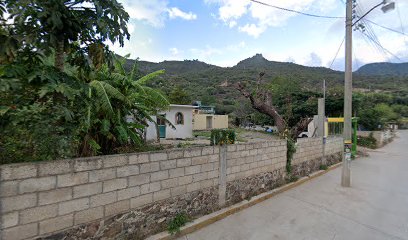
{"points": [[181, 116]]}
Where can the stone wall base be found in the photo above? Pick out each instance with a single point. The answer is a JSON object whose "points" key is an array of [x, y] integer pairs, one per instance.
{"points": [[308, 167]]}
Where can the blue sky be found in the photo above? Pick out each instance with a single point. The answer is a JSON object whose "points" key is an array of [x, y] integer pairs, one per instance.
{"points": [[223, 32]]}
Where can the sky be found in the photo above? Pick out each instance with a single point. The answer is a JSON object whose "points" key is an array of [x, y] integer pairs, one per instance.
{"points": [[224, 32]]}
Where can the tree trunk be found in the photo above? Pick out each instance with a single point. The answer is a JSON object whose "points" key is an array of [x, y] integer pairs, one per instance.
{"points": [[59, 55]]}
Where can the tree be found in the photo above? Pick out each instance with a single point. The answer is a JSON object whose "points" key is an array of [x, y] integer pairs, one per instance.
{"points": [[179, 96], [77, 28], [264, 99]]}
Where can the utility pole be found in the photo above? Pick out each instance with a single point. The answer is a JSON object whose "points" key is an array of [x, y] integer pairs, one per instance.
{"points": [[348, 83]]}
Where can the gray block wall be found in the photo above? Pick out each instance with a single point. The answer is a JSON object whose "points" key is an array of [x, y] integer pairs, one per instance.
{"points": [[39, 199]]}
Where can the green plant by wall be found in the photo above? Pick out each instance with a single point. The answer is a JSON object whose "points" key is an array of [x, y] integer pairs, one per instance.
{"points": [[369, 142], [177, 222], [222, 136], [291, 149]]}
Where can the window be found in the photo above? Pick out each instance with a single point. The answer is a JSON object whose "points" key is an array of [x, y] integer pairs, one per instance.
{"points": [[179, 118]]}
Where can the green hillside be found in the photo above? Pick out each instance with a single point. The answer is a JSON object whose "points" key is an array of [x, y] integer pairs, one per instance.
{"points": [[384, 68], [215, 85]]}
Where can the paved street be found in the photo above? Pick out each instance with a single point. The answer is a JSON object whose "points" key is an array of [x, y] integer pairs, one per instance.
{"points": [[375, 207]]}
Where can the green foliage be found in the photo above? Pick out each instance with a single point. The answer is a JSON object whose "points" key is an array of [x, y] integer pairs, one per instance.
{"points": [[323, 167], [222, 136], [177, 222], [376, 117], [291, 149], [179, 96], [369, 142], [63, 27]]}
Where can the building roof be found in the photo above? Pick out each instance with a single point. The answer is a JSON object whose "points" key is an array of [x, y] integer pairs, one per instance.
{"points": [[185, 106]]}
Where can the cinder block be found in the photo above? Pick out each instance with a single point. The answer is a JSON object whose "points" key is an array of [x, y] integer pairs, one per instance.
{"points": [[117, 207], [185, 180], [216, 149], [87, 164], [54, 196], [56, 224], [87, 189], [253, 152], [103, 199], [206, 184], [169, 183], [115, 161], [173, 154], [194, 152], [9, 220], [183, 162], [249, 146], [240, 147], [19, 202], [164, 165], [128, 193], [141, 200], [88, 215], [37, 184], [157, 176], [150, 187], [231, 148], [54, 168], [207, 167], [38, 213], [207, 151], [20, 232], [139, 158], [128, 170], [9, 188], [150, 167], [176, 191], [161, 156], [72, 179], [73, 206], [213, 158], [199, 177], [114, 184], [213, 174], [199, 160], [160, 195], [18, 172], [193, 187], [193, 169], [138, 180], [101, 175], [176, 172]]}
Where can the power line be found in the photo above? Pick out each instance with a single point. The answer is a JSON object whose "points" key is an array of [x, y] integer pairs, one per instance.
{"points": [[294, 11], [381, 46], [337, 53], [390, 29]]}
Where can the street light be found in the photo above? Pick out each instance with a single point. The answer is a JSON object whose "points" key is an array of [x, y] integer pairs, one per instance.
{"points": [[387, 6]]}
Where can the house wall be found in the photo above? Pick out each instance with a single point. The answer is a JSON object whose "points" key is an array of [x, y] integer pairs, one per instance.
{"points": [[382, 137], [181, 131], [218, 121], [137, 194]]}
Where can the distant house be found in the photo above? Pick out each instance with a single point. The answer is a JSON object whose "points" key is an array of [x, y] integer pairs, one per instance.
{"points": [[181, 116], [206, 119]]}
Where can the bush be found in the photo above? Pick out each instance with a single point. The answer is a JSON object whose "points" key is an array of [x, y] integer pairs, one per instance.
{"points": [[369, 142], [176, 223], [222, 136]]}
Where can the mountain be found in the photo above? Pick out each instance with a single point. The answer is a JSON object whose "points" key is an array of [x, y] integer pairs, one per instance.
{"points": [[384, 68], [215, 85]]}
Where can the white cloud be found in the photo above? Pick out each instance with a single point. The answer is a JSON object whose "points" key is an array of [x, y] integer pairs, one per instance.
{"points": [[252, 29], [154, 12], [230, 11], [175, 12], [174, 51]]}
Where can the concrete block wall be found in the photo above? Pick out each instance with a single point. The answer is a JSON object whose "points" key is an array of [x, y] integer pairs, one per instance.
{"points": [[41, 199], [308, 149], [244, 160]]}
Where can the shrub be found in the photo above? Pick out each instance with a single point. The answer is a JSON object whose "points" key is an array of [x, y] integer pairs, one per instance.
{"points": [[176, 223], [369, 142], [222, 136]]}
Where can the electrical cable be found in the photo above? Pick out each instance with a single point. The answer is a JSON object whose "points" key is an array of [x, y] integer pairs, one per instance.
{"points": [[337, 53], [294, 11], [382, 47]]}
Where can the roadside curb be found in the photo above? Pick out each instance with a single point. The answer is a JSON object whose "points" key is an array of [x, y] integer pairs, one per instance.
{"points": [[225, 212]]}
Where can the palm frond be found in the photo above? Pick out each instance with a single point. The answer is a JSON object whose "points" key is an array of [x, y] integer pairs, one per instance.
{"points": [[150, 76]]}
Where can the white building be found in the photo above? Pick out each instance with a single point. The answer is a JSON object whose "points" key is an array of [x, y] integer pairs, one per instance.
{"points": [[181, 116]]}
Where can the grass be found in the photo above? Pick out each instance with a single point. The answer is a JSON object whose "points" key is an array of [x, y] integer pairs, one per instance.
{"points": [[176, 223]]}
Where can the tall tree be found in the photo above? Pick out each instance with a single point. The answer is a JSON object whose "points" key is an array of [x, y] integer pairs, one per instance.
{"points": [[70, 28], [179, 96]]}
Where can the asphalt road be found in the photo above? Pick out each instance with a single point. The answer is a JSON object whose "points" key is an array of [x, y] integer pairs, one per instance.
{"points": [[375, 207]]}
